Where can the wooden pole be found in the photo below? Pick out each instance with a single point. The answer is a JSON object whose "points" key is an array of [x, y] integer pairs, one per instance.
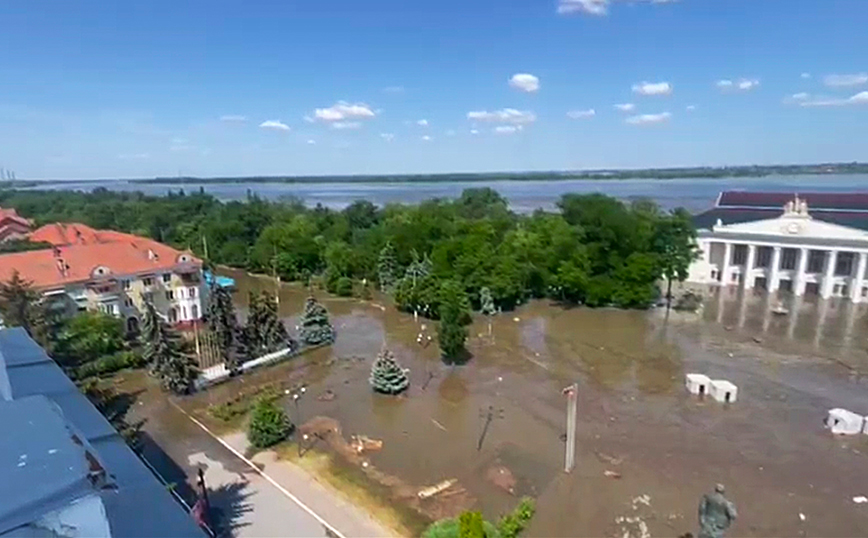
{"points": [[571, 393]]}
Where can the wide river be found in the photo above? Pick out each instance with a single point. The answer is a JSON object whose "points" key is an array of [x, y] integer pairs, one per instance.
{"points": [[694, 194]]}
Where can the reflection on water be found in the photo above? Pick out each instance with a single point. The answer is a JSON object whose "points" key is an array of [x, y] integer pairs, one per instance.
{"points": [[832, 327]]}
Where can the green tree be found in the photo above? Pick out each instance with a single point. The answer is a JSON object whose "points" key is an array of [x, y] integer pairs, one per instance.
{"points": [[513, 523], [164, 354], [268, 425], [675, 242], [87, 337], [265, 331], [454, 315], [224, 325], [387, 267], [387, 376], [21, 305], [316, 329]]}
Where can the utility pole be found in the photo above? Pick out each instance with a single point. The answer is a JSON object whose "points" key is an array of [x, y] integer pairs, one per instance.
{"points": [[571, 393]]}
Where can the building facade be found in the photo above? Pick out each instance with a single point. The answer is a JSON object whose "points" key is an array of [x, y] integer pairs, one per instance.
{"points": [[111, 272], [810, 244], [13, 226]]}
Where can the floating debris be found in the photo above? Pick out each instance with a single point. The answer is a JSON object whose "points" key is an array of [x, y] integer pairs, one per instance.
{"points": [[430, 491], [363, 443], [327, 396], [611, 474]]}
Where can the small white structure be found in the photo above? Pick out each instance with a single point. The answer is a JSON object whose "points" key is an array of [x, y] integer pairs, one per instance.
{"points": [[697, 384], [723, 391], [844, 422]]}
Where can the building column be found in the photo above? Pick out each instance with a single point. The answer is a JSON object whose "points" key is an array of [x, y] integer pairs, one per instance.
{"points": [[724, 270], [801, 270], [828, 277], [774, 278], [858, 281], [748, 266]]}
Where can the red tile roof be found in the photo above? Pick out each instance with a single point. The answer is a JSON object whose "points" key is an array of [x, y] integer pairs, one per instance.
{"points": [[11, 214], [123, 254], [830, 201], [60, 234]]}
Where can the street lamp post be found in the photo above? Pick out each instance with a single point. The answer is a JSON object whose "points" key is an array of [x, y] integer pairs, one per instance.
{"points": [[296, 398]]}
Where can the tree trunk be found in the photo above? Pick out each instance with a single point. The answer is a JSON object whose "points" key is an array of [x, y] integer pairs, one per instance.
{"points": [[668, 294]]}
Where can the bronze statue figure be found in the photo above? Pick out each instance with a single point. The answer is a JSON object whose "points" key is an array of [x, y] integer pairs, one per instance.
{"points": [[716, 514]]}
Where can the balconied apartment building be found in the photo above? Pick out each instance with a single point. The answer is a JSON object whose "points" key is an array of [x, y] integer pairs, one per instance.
{"points": [[112, 272]]}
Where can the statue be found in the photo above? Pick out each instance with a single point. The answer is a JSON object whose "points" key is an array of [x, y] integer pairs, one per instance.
{"points": [[716, 514], [788, 207]]}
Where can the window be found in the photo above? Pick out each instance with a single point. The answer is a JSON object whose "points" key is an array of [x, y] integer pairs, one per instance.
{"points": [[735, 277], [845, 290], [836, 290], [192, 293], [128, 303], [816, 261], [125, 284], [764, 257], [167, 277], [760, 283], [148, 281], [170, 295], [183, 312], [788, 259], [739, 254], [844, 263], [864, 292], [194, 312], [786, 286], [173, 315]]}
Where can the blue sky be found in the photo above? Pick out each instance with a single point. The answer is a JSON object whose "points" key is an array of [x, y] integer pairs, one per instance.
{"points": [[100, 89]]}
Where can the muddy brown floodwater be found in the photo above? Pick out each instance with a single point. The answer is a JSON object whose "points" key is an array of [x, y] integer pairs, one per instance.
{"points": [[662, 447]]}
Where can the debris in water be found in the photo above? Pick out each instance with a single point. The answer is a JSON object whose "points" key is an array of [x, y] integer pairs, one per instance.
{"points": [[430, 491], [516, 319], [757, 339], [441, 426], [327, 396], [611, 474], [802, 516], [860, 499], [611, 460], [363, 443]]}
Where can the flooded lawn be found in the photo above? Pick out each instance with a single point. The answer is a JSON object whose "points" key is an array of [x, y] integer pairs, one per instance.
{"points": [[662, 448]]}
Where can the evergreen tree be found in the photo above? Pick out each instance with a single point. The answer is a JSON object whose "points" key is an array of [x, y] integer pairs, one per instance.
{"points": [[418, 269], [164, 354], [316, 328], [223, 325], [269, 424], [22, 306], [454, 314], [387, 376], [265, 332], [486, 303], [387, 266]]}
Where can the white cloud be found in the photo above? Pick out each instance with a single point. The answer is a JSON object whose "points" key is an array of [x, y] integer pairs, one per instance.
{"points": [[388, 137], [507, 129], [474, 131], [744, 84], [579, 114], [652, 88], [524, 82], [346, 125], [860, 98], [276, 125], [426, 138], [690, 108], [393, 89], [648, 119], [806, 75], [342, 111], [801, 96], [596, 7], [233, 118], [506, 115], [626, 107], [311, 142], [845, 81], [422, 123]]}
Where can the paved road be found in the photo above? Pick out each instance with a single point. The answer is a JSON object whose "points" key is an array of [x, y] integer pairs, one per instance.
{"points": [[246, 503]]}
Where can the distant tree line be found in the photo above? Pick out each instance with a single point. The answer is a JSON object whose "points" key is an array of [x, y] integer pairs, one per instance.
{"points": [[435, 258]]}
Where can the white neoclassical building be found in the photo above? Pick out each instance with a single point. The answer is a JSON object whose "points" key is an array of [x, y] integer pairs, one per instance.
{"points": [[775, 242]]}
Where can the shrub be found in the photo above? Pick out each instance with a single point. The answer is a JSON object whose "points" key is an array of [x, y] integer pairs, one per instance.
{"points": [[269, 424], [451, 528], [344, 287], [513, 523]]}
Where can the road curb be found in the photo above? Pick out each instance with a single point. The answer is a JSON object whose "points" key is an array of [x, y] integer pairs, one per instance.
{"points": [[261, 473]]}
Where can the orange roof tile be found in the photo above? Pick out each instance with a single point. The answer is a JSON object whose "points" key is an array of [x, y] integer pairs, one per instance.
{"points": [[67, 264], [12, 214]]}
